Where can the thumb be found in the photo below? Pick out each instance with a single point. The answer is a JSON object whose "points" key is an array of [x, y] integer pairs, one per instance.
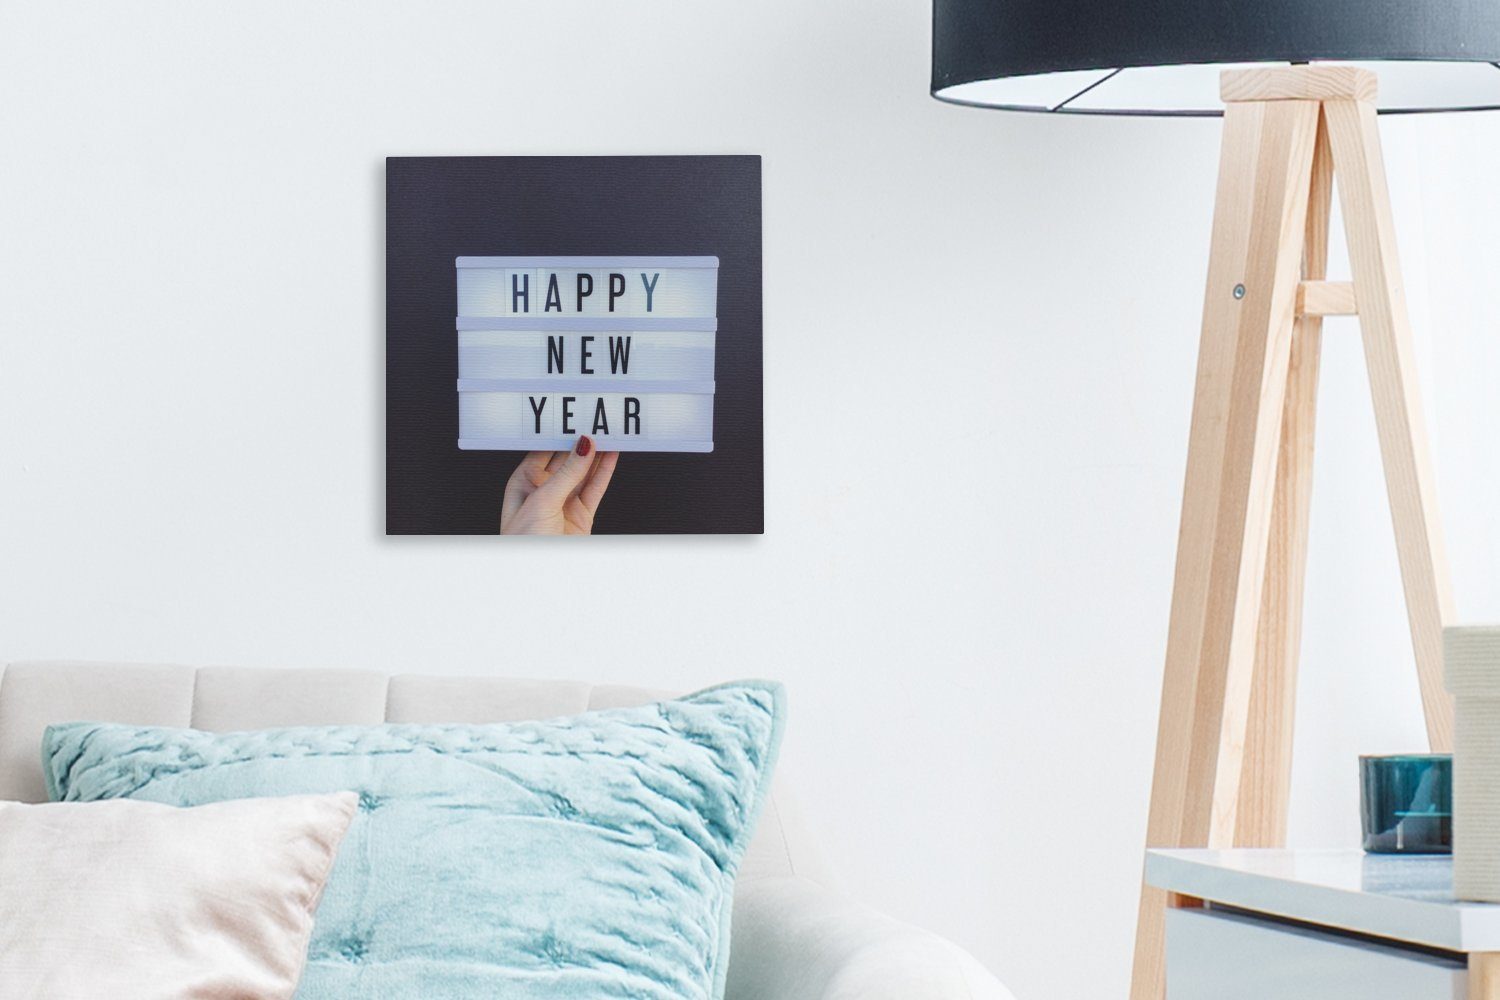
{"points": [[567, 477]]}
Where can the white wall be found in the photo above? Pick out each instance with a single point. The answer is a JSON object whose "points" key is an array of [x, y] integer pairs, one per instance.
{"points": [[966, 572]]}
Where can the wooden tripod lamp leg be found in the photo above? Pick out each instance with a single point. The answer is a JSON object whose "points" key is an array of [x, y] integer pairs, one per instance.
{"points": [[1398, 408], [1244, 358], [1266, 776]]}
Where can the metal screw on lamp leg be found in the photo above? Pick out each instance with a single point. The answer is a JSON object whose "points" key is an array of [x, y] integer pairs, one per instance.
{"points": [[1239, 291]]}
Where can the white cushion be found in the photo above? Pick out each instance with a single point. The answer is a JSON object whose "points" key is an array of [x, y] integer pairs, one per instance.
{"points": [[142, 900]]}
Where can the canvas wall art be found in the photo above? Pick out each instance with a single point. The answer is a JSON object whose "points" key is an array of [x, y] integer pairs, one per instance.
{"points": [[573, 345]]}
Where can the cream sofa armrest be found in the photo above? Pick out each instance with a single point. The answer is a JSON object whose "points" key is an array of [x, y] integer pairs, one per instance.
{"points": [[795, 940]]}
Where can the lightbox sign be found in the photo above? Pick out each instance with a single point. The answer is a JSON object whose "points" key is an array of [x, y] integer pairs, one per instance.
{"points": [[618, 348]]}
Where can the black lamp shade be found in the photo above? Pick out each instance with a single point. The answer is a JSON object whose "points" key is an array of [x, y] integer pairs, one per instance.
{"points": [[1163, 56]]}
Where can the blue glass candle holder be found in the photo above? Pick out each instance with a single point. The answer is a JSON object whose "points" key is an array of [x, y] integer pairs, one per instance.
{"points": [[1406, 803]]}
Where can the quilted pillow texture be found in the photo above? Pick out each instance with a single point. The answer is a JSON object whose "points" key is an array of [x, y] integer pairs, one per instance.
{"points": [[141, 900], [581, 858]]}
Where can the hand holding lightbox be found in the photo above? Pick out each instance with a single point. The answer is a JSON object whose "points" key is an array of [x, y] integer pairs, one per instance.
{"points": [[557, 493]]}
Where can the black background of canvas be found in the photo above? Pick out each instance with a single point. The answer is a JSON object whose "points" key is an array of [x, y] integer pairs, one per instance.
{"points": [[439, 208]]}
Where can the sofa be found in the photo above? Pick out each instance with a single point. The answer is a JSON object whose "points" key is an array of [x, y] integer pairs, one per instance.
{"points": [[792, 938]]}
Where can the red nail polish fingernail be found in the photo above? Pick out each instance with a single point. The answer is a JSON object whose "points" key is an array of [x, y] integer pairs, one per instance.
{"points": [[584, 446]]}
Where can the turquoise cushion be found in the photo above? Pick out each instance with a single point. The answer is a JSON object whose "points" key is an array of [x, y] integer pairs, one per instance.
{"points": [[578, 858]]}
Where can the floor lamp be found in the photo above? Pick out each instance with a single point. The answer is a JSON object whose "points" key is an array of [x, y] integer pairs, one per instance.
{"points": [[1296, 84]]}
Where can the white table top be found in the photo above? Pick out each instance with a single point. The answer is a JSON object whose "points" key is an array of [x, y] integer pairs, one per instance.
{"points": [[1403, 897]]}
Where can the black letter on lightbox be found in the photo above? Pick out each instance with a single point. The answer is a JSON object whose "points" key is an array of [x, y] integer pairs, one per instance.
{"points": [[584, 292], [554, 353], [523, 293], [632, 412], [536, 411], [619, 355], [601, 422], [567, 427]]}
